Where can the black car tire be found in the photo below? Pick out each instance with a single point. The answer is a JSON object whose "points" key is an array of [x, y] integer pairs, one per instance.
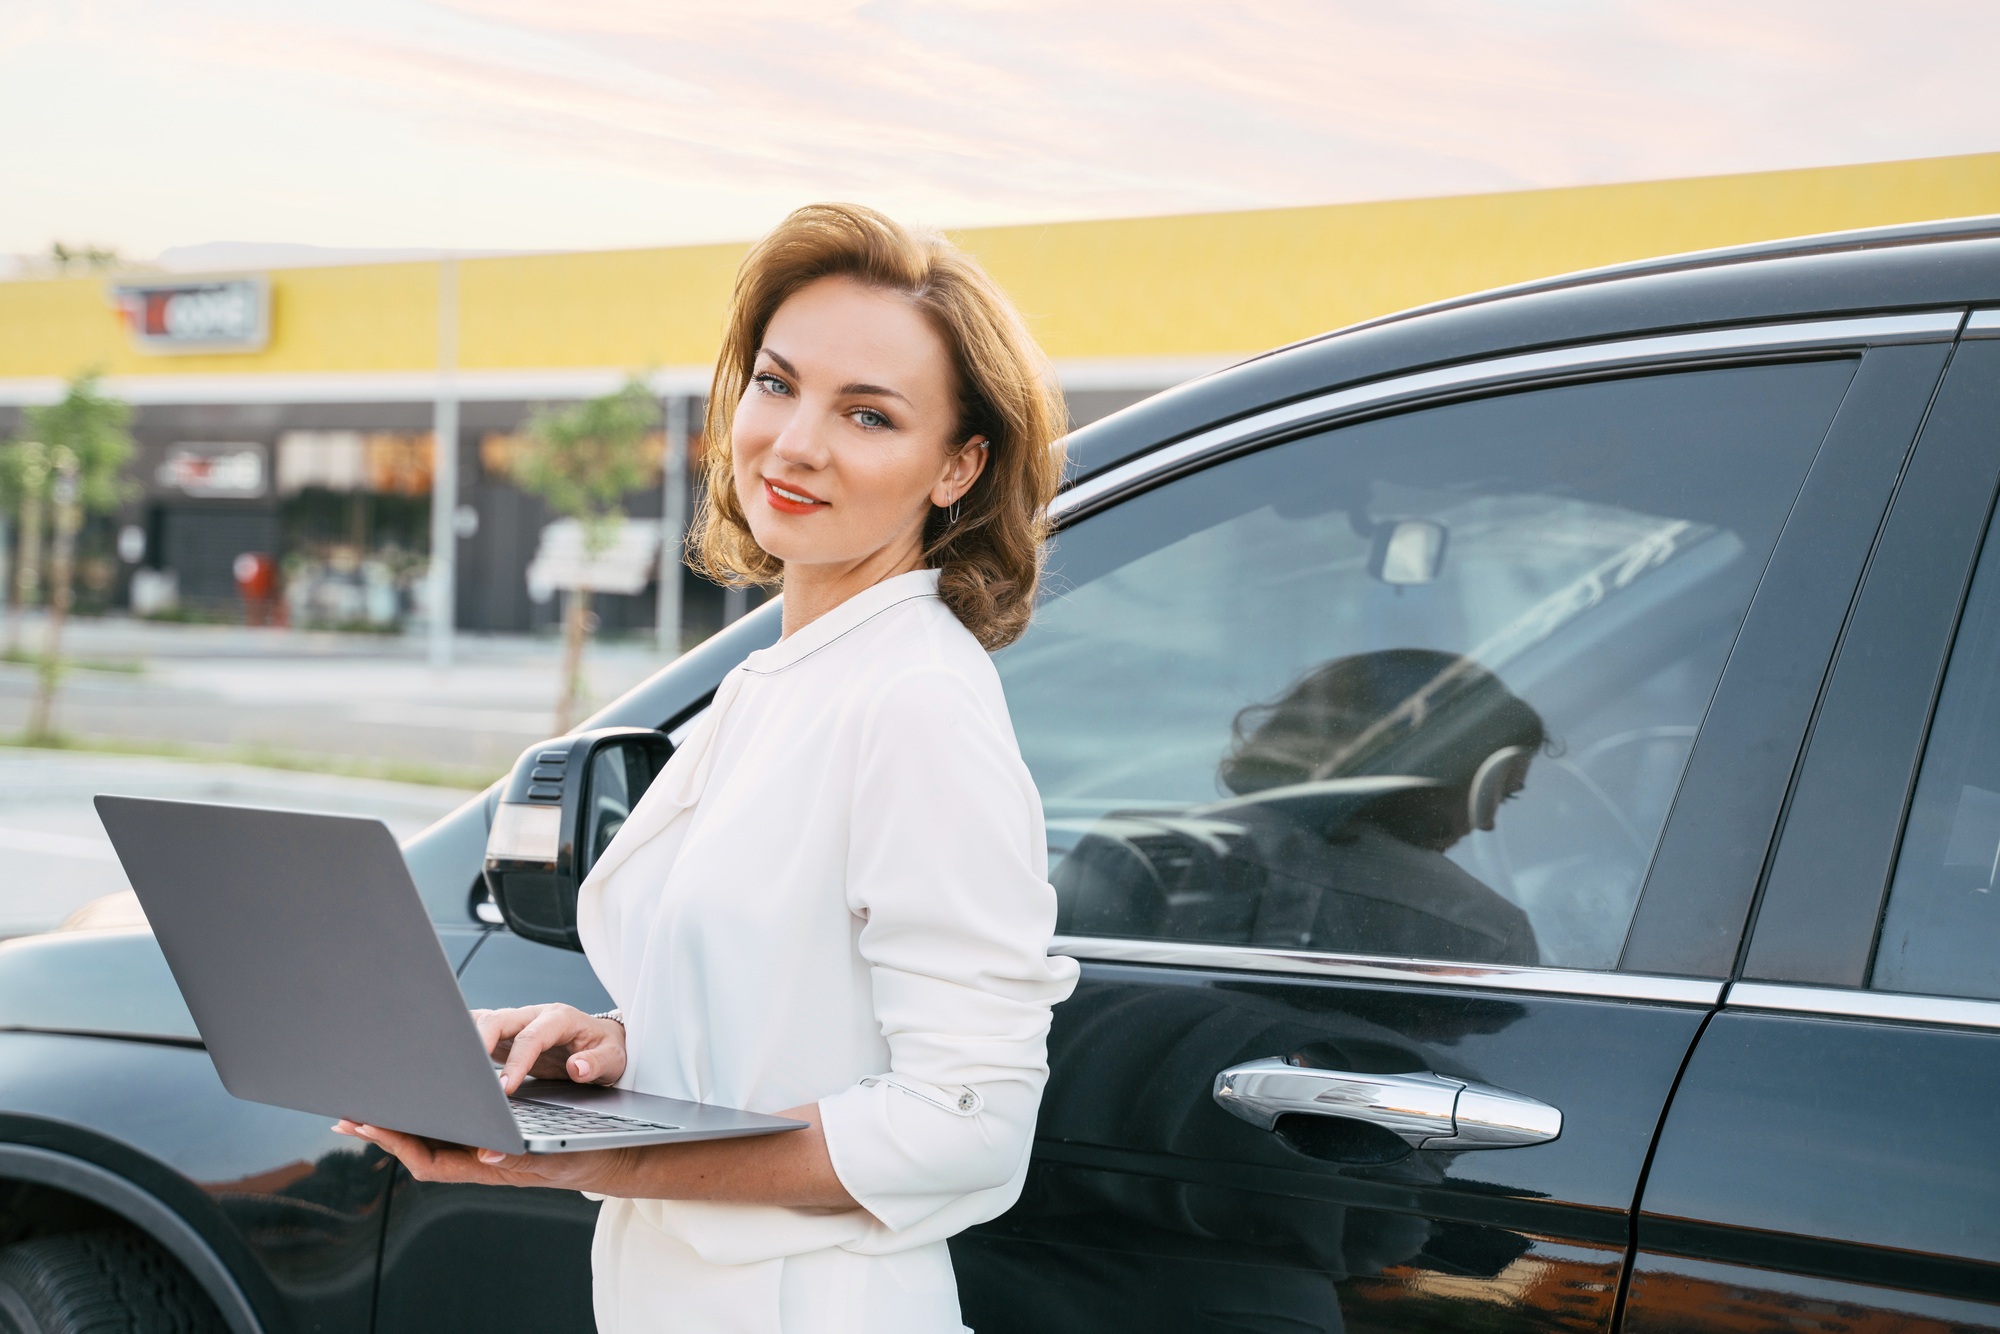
{"points": [[99, 1283]]}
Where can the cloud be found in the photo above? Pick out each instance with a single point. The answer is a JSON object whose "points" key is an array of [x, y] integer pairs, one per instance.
{"points": [[1192, 105], [1005, 110]]}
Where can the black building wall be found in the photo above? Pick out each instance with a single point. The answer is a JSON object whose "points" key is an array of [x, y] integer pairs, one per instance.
{"points": [[200, 539]]}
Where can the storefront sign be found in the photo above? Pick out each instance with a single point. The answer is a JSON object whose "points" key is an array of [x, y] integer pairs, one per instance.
{"points": [[214, 472], [203, 315]]}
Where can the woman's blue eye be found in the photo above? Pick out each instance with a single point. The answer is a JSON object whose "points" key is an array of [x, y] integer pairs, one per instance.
{"points": [[871, 419], [771, 384]]}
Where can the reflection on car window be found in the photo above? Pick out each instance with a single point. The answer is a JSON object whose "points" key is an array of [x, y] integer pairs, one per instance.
{"points": [[1422, 686], [1941, 933]]}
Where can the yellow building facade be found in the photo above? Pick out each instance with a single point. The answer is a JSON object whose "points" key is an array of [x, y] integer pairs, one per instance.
{"points": [[1140, 300]]}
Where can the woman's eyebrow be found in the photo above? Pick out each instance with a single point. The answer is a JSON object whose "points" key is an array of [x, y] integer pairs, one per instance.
{"points": [[855, 389], [861, 389]]}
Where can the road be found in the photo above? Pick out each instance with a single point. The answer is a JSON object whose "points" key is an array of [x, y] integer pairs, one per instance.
{"points": [[54, 857], [372, 701], [301, 701]]}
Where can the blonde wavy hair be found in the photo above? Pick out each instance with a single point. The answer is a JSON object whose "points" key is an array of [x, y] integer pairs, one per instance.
{"points": [[990, 560]]}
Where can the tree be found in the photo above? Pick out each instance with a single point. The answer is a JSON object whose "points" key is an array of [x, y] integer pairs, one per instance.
{"points": [[87, 445], [583, 459], [24, 492], [84, 258]]}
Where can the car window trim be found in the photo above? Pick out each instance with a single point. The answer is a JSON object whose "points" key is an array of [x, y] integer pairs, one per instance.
{"points": [[1936, 326], [1858, 1003], [1377, 968], [1827, 887]]}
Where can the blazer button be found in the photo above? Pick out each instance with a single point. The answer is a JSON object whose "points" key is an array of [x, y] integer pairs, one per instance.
{"points": [[965, 1102]]}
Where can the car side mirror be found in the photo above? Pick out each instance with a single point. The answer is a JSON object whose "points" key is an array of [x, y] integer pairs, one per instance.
{"points": [[563, 804]]}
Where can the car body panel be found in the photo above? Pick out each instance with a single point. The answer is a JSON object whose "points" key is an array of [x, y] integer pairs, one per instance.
{"points": [[294, 1210], [1149, 1206], [515, 1255], [507, 970], [115, 982], [1836, 1146], [1841, 1156], [485, 1257], [1671, 1294]]}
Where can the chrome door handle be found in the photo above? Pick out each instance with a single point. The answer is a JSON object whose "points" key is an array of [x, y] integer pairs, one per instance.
{"points": [[1424, 1110]]}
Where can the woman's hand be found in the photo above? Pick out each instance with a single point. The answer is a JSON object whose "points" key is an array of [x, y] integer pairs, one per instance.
{"points": [[792, 1169], [432, 1160], [552, 1042]]}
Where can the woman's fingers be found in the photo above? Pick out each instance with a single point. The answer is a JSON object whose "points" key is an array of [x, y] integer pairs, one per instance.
{"points": [[552, 1042], [520, 1038], [599, 1057], [428, 1161], [549, 1033], [498, 1027], [530, 1041]]}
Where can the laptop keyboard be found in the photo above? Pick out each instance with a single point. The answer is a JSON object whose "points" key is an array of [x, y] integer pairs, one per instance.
{"points": [[546, 1118]]}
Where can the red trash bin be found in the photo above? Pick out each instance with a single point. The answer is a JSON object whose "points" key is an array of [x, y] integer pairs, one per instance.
{"points": [[257, 584]]}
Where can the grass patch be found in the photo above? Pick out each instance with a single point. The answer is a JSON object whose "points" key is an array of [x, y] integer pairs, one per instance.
{"points": [[123, 666], [194, 615], [264, 757]]}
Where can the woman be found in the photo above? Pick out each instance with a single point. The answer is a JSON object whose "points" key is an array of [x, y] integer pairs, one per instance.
{"points": [[1346, 793], [1368, 874], [833, 903]]}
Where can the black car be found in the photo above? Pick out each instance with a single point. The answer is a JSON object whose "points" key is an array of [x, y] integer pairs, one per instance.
{"points": [[1522, 778]]}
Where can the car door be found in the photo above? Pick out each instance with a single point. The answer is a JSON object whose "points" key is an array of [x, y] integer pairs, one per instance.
{"points": [[1830, 1152], [1407, 781], [490, 1257]]}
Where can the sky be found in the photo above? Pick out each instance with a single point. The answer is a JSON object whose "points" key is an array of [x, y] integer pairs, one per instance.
{"points": [[559, 124]]}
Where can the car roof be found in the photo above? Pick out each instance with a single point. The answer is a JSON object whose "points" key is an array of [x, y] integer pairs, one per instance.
{"points": [[1912, 267]]}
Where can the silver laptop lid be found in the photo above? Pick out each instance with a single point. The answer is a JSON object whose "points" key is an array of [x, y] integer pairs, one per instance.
{"points": [[309, 965]]}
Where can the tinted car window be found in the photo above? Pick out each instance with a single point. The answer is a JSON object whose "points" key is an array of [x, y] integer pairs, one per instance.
{"points": [[1421, 686], [1941, 934]]}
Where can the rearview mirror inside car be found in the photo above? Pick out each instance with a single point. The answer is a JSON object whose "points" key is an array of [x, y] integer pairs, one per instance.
{"points": [[562, 806], [1407, 551]]}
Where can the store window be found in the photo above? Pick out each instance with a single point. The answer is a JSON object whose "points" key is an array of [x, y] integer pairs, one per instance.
{"points": [[355, 510]]}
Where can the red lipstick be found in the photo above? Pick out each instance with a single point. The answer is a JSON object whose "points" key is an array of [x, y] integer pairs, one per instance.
{"points": [[784, 504]]}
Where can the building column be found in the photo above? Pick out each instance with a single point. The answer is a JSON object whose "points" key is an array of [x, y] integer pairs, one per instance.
{"points": [[673, 522], [444, 473]]}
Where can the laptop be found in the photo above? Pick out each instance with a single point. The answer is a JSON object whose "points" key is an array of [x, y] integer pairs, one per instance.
{"points": [[319, 984]]}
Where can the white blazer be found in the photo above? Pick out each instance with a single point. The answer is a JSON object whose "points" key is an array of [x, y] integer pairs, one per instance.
{"points": [[837, 891]]}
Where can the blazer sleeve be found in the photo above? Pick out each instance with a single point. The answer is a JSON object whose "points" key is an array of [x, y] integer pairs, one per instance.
{"points": [[947, 868]]}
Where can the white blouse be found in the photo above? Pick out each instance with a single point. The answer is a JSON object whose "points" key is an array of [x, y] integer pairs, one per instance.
{"points": [[836, 891]]}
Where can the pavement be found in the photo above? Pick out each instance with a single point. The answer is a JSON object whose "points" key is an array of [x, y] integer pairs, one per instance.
{"points": [[299, 701]]}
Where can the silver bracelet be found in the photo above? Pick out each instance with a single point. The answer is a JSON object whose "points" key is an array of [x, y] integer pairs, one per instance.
{"points": [[615, 1016]]}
